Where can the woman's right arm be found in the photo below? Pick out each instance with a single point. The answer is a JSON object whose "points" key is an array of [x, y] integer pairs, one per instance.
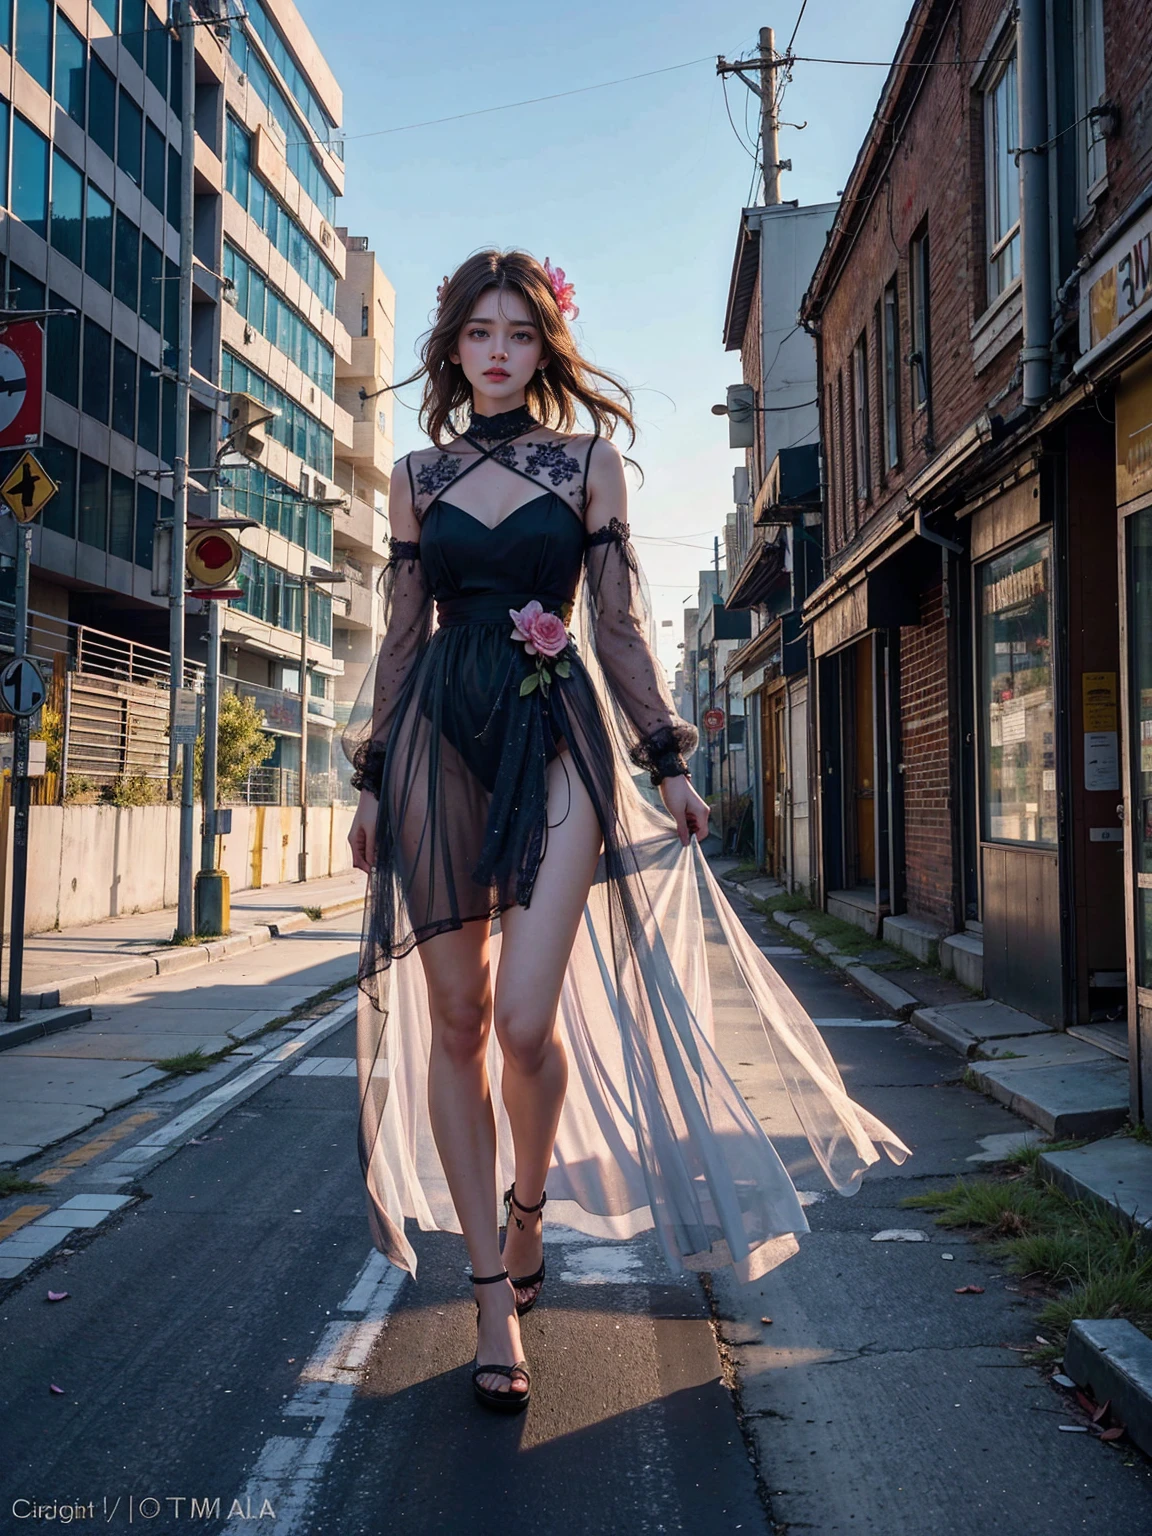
{"points": [[407, 627]]}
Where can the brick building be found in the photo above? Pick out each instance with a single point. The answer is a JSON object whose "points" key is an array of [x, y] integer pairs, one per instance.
{"points": [[966, 638]]}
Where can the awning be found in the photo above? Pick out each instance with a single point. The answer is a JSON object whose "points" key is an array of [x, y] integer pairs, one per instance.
{"points": [[760, 574]]}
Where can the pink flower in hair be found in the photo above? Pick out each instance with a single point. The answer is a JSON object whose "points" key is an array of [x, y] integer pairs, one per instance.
{"points": [[541, 633], [564, 290]]}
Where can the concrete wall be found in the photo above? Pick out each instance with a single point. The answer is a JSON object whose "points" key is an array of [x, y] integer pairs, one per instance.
{"points": [[90, 862]]}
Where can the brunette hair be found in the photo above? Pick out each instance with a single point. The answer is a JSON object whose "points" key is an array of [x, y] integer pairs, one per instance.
{"points": [[555, 391]]}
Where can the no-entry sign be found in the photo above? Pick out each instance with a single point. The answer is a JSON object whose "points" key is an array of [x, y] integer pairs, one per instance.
{"points": [[22, 385]]}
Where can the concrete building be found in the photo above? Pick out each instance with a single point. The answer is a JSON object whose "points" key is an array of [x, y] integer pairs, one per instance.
{"points": [[91, 128]]}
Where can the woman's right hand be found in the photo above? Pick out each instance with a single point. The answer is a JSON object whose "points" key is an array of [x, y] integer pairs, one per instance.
{"points": [[362, 833]]}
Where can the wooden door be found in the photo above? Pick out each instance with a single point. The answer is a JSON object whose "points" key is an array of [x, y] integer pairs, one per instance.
{"points": [[865, 764]]}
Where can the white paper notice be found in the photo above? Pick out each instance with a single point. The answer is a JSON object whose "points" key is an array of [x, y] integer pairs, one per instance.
{"points": [[1101, 760]]}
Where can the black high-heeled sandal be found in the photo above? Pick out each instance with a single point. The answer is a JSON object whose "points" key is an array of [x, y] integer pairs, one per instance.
{"points": [[522, 1282], [502, 1402]]}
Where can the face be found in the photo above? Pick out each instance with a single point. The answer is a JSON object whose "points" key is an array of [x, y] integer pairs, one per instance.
{"points": [[499, 349]]}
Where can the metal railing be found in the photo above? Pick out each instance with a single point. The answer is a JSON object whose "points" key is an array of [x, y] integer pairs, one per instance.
{"points": [[94, 652], [268, 786]]}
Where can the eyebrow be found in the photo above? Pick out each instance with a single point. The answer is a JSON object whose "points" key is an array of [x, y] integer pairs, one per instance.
{"points": [[487, 320]]}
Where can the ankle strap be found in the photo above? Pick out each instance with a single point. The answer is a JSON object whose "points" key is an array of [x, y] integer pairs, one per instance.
{"points": [[488, 1279], [527, 1209]]}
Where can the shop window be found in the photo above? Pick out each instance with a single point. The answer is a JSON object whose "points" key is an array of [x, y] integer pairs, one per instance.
{"points": [[1139, 562], [34, 40], [98, 237], [30, 176], [70, 73], [67, 230], [1017, 726], [97, 370], [1002, 178], [101, 107]]}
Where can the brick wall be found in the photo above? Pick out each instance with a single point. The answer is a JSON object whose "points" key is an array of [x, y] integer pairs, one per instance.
{"points": [[927, 763]]}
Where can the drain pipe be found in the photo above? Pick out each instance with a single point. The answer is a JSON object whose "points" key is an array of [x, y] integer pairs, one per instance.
{"points": [[1035, 255]]}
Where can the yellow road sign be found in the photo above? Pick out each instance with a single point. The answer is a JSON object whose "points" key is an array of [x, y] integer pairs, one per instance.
{"points": [[28, 489]]}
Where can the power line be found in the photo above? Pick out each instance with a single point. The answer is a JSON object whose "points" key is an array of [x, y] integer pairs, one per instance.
{"points": [[530, 101], [796, 28]]}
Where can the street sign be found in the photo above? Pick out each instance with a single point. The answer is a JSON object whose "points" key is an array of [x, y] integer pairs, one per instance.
{"points": [[37, 757], [21, 384], [22, 689], [713, 719], [28, 489], [212, 557], [186, 717]]}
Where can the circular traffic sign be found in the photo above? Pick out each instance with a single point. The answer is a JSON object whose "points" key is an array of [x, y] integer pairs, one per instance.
{"points": [[22, 688], [13, 386], [713, 719], [213, 557]]}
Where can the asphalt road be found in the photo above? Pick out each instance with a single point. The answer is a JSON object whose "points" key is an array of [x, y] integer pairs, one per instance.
{"points": [[233, 1336]]}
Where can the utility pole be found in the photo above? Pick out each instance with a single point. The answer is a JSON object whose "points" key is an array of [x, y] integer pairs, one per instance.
{"points": [[765, 89], [184, 913]]}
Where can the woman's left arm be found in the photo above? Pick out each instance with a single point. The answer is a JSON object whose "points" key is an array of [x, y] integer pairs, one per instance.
{"points": [[658, 738]]}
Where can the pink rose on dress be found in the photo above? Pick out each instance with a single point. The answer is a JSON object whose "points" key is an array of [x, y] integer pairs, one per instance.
{"points": [[540, 632]]}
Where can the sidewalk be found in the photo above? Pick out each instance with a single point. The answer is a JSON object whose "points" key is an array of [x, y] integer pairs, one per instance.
{"points": [[72, 965]]}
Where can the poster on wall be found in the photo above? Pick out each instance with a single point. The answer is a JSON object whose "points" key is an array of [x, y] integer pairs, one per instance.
{"points": [[1101, 760]]}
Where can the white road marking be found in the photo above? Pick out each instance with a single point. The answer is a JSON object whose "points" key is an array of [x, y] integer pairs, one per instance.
{"points": [[290, 1467]]}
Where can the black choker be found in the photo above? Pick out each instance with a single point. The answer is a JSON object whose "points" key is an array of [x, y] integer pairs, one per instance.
{"points": [[503, 426]]}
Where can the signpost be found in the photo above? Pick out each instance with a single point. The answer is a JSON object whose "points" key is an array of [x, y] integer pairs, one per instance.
{"points": [[25, 492], [22, 385]]}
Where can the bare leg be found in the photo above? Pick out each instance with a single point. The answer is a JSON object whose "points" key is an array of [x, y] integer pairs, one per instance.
{"points": [[535, 946], [460, 1108]]}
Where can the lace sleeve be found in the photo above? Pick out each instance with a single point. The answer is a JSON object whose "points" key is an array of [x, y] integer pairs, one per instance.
{"points": [[407, 629], [619, 623]]}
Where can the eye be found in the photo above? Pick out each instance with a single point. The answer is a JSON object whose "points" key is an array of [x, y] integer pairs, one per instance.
{"points": [[476, 333], [523, 335]]}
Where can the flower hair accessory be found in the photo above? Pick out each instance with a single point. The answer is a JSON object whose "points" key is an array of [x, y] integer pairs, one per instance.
{"points": [[543, 636], [564, 290]]}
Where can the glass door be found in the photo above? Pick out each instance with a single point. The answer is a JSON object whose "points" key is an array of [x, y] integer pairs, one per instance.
{"points": [[1138, 620]]}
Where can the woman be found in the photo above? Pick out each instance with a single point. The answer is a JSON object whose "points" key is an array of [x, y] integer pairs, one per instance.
{"points": [[494, 757]]}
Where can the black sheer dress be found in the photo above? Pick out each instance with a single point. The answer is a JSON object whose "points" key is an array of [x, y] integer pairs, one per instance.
{"points": [[454, 731]]}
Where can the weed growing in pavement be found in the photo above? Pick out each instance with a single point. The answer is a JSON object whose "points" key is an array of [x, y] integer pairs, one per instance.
{"points": [[192, 1061], [1136, 1132], [315, 913], [15, 1184], [1086, 1258]]}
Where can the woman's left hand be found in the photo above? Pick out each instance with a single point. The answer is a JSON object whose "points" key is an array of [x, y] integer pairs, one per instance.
{"points": [[686, 806]]}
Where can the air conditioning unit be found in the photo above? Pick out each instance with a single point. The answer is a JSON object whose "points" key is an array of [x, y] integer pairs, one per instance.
{"points": [[247, 418], [325, 236], [741, 404]]}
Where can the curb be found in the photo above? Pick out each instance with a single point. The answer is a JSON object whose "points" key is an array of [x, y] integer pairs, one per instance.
{"points": [[160, 962], [1113, 1360], [49, 1023], [37, 1239], [889, 996]]}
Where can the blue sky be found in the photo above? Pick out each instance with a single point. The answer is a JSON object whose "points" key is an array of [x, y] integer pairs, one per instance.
{"points": [[634, 189]]}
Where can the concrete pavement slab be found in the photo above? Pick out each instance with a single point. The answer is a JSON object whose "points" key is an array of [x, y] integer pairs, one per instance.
{"points": [[1080, 1098], [966, 1026], [1115, 1173], [1113, 1359]]}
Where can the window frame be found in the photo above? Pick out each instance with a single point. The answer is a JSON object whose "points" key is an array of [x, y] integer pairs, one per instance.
{"points": [[1091, 90], [920, 318], [861, 418], [888, 334], [1002, 247]]}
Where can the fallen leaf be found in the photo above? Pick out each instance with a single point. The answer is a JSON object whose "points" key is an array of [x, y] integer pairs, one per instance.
{"points": [[1101, 1411], [52, 1387], [900, 1235], [969, 1290], [765, 1320], [947, 1255], [1021, 1349], [1064, 1381], [57, 1295], [1087, 1403], [1114, 1433], [1040, 1339], [1073, 1429]]}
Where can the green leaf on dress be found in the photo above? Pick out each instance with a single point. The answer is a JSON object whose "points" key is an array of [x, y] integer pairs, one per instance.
{"points": [[529, 683], [563, 668]]}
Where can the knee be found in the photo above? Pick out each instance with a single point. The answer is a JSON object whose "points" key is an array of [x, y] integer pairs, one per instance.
{"points": [[460, 1029], [525, 1038]]}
